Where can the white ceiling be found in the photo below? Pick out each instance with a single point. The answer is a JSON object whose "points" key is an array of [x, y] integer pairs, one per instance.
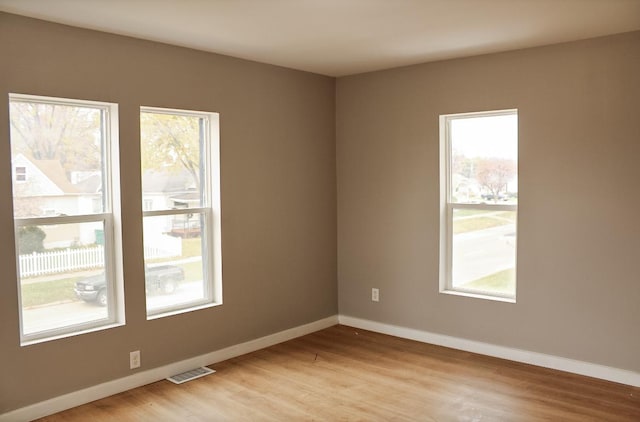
{"points": [[342, 37]]}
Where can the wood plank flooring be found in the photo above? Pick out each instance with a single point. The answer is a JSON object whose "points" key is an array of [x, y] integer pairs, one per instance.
{"points": [[347, 374]]}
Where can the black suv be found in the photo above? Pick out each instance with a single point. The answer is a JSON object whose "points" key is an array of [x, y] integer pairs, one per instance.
{"points": [[161, 278]]}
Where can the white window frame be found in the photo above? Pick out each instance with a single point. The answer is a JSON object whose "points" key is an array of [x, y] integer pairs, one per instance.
{"points": [[212, 239], [110, 217], [447, 208]]}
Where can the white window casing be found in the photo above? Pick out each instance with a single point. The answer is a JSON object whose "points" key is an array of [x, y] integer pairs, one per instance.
{"points": [[109, 217], [448, 205], [209, 209]]}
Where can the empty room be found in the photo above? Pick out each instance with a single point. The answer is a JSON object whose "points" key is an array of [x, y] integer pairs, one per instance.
{"points": [[372, 210]]}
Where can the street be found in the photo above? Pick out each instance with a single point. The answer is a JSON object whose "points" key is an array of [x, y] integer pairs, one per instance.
{"points": [[54, 316], [480, 253]]}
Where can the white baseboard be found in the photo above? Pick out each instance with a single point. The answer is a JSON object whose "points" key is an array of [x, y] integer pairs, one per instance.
{"points": [[539, 359], [77, 398]]}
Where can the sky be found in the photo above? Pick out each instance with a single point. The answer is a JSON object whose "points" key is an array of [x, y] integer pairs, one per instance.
{"points": [[486, 136]]}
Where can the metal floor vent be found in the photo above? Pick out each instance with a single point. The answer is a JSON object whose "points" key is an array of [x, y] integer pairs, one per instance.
{"points": [[190, 375]]}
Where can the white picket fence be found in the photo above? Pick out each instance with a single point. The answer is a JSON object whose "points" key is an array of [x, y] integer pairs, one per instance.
{"points": [[65, 260], [163, 246], [41, 263]]}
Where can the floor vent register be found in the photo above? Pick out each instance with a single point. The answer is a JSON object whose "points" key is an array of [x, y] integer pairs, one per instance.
{"points": [[190, 375]]}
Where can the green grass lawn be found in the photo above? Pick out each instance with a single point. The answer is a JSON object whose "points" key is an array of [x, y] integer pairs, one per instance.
{"points": [[192, 271], [482, 220], [500, 282], [473, 224], [45, 292], [467, 213], [191, 247]]}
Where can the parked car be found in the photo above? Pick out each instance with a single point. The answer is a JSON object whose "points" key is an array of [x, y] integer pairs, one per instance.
{"points": [[161, 279], [492, 197]]}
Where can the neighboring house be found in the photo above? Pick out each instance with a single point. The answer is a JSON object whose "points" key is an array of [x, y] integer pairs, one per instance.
{"points": [[42, 189], [170, 190], [466, 189]]}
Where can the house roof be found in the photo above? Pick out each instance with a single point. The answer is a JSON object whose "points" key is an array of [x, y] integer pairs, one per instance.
{"points": [[157, 181], [91, 184], [153, 181], [56, 173], [53, 170], [187, 198]]}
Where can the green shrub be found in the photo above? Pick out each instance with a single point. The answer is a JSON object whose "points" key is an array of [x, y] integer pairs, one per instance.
{"points": [[30, 239]]}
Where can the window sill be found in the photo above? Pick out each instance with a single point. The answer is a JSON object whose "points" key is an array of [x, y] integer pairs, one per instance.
{"points": [[163, 314], [30, 342], [479, 296]]}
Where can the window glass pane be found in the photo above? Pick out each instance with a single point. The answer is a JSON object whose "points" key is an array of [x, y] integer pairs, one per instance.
{"points": [[178, 151], [484, 156], [67, 265], [174, 268], [172, 154], [62, 275], [480, 171], [58, 160], [484, 251]]}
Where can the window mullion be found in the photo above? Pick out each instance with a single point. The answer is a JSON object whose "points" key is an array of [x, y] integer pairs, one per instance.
{"points": [[66, 219], [174, 211], [485, 206]]}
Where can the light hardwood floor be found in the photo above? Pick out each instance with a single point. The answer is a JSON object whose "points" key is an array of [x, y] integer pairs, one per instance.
{"points": [[346, 374]]}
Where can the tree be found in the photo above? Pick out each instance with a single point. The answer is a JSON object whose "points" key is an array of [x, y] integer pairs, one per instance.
{"points": [[69, 134], [30, 239], [171, 142], [463, 165], [494, 174]]}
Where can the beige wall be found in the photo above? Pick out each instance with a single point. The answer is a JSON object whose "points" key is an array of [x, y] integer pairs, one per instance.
{"points": [[278, 198], [578, 251], [578, 293]]}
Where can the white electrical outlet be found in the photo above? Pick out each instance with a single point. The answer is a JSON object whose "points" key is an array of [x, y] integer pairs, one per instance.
{"points": [[134, 359], [375, 295]]}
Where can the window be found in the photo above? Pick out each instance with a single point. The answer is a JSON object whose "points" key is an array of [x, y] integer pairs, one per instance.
{"points": [[181, 209], [479, 203], [66, 230], [147, 204], [20, 174]]}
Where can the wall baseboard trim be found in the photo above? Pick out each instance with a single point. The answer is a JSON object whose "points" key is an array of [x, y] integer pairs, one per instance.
{"points": [[77, 398], [80, 397], [608, 373]]}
